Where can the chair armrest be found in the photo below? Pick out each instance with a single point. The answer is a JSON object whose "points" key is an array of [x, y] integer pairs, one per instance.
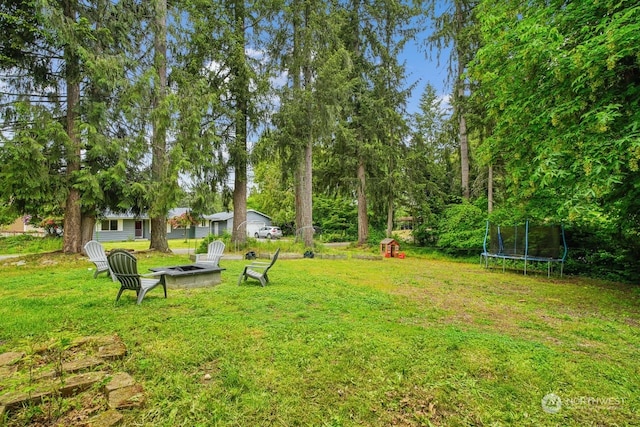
{"points": [[155, 273], [259, 264]]}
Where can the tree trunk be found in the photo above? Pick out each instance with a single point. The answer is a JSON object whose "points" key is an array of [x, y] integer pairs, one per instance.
{"points": [[159, 208], [239, 234], [72, 242], [464, 156], [88, 225], [363, 220], [306, 188], [304, 200], [490, 189], [390, 215], [241, 89], [300, 71], [462, 122]]}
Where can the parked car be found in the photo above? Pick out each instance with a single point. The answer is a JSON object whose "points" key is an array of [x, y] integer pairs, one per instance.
{"points": [[269, 232]]}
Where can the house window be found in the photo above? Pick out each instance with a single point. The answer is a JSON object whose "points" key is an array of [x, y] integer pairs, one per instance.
{"points": [[109, 225], [203, 223]]}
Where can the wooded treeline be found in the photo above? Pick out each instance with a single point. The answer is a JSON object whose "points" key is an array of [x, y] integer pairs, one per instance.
{"points": [[131, 105]]}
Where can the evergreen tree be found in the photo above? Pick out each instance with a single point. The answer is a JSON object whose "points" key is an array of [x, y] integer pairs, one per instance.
{"points": [[457, 27], [161, 180], [425, 168], [63, 67], [306, 44]]}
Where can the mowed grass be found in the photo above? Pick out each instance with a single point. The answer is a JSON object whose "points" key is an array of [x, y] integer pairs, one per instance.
{"points": [[413, 342]]}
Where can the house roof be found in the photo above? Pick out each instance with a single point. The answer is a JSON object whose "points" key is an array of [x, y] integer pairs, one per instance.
{"points": [[219, 216], [225, 216], [130, 215], [177, 212], [122, 215]]}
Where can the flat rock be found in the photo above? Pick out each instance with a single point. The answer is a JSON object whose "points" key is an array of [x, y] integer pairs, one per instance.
{"points": [[99, 339], [16, 400], [46, 375], [79, 383], [119, 380], [10, 358], [79, 365], [127, 397], [114, 350], [106, 419]]}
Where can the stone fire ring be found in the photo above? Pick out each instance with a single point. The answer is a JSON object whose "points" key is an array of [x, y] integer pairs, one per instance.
{"points": [[190, 276]]}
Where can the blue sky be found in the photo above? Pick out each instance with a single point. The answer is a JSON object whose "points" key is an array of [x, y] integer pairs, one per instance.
{"points": [[422, 65], [422, 70]]}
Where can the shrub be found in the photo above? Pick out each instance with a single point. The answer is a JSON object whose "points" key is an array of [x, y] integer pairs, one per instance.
{"points": [[596, 250], [52, 226], [24, 243], [424, 235], [461, 229], [225, 237]]}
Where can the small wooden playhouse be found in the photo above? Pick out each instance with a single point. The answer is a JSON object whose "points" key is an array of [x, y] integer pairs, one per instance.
{"points": [[389, 248]]}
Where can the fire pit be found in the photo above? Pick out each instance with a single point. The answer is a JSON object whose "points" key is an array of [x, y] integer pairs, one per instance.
{"points": [[190, 276]]}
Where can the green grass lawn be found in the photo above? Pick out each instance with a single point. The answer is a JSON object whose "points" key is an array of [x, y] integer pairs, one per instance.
{"points": [[413, 342]]}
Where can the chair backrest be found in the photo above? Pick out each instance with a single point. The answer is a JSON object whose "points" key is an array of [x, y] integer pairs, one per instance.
{"points": [[273, 261], [95, 251], [125, 267], [215, 250]]}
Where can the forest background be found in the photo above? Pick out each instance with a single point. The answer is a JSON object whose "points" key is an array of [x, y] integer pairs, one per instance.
{"points": [[298, 108]]}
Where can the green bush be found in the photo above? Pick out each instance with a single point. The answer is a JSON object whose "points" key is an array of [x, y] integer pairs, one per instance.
{"points": [[335, 237], [596, 250], [508, 216], [225, 237], [461, 229], [424, 235], [26, 243]]}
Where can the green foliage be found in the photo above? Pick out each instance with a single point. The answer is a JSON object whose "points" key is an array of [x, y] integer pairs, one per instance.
{"points": [[7, 214], [425, 234], [560, 83], [273, 194], [461, 229], [425, 177], [337, 218], [27, 244], [375, 236], [602, 251], [204, 244], [508, 216]]}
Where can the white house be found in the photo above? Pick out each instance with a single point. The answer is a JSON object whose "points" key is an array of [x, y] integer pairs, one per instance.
{"points": [[223, 222], [114, 227]]}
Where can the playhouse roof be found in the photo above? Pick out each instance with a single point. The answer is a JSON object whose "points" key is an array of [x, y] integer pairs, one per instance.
{"points": [[387, 241]]}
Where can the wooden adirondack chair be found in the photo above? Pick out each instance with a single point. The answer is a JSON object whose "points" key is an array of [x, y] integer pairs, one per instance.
{"points": [[213, 255], [125, 267], [97, 255], [259, 270]]}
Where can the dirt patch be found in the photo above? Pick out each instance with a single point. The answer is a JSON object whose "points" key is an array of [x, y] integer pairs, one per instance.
{"points": [[415, 407]]}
